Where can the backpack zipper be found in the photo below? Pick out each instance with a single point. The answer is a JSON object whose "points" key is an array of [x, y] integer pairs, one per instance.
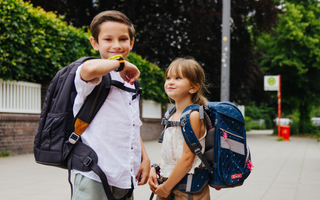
{"points": [[231, 133], [248, 163]]}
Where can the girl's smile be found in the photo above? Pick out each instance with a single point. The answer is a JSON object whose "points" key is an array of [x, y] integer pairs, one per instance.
{"points": [[177, 87]]}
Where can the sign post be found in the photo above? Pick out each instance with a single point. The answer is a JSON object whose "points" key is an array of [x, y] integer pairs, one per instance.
{"points": [[279, 105], [273, 83], [225, 51]]}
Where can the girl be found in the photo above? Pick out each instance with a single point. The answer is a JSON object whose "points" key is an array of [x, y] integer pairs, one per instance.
{"points": [[185, 84]]}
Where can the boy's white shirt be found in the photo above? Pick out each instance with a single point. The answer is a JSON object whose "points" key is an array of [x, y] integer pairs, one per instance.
{"points": [[114, 133]]}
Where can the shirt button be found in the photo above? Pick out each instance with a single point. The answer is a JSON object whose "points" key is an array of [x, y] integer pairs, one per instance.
{"points": [[131, 147], [133, 124], [130, 103]]}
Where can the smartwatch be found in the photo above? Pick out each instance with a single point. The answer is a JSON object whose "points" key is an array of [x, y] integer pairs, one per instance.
{"points": [[156, 166], [121, 61]]}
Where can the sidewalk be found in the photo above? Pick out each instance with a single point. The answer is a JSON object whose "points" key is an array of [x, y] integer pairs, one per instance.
{"points": [[286, 170]]}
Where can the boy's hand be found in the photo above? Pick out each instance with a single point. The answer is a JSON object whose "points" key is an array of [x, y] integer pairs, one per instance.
{"points": [[130, 73], [143, 172]]}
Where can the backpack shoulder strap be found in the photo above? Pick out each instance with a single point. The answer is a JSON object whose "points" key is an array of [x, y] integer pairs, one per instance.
{"points": [[138, 87], [137, 90], [65, 85], [188, 133], [166, 123], [90, 108]]}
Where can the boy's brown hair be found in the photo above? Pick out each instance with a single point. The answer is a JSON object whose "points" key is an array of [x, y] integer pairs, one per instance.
{"points": [[110, 15]]}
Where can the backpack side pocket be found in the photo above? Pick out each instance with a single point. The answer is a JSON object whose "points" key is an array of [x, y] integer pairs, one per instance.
{"points": [[52, 140], [232, 154]]}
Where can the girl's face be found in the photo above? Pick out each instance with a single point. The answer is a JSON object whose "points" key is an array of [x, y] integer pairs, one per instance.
{"points": [[177, 87]]}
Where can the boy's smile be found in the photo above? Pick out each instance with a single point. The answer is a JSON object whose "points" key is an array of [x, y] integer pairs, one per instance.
{"points": [[113, 40]]}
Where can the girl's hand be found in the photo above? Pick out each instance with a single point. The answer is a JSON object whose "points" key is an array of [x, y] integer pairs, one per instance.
{"points": [[162, 191], [153, 182], [130, 73]]}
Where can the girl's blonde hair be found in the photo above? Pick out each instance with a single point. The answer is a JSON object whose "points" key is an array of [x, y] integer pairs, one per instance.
{"points": [[190, 69]]}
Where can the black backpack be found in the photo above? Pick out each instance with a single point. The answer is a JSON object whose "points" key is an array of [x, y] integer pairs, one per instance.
{"points": [[58, 142]]}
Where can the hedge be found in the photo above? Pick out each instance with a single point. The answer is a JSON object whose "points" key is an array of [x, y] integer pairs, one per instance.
{"points": [[151, 78], [35, 44]]}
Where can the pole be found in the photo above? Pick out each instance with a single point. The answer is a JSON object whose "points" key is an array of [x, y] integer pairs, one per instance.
{"points": [[279, 105], [225, 51]]}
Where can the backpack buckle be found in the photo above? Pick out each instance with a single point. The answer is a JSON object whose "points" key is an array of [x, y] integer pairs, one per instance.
{"points": [[198, 151], [74, 138], [87, 161], [183, 122]]}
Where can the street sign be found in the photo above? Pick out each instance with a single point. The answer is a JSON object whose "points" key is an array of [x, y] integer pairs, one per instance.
{"points": [[271, 83]]}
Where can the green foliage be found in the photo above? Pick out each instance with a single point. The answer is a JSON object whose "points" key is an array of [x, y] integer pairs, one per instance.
{"points": [[169, 29], [261, 112], [293, 51], [294, 128], [4, 154], [247, 123], [280, 139], [257, 125], [151, 78], [35, 44], [315, 112], [295, 125]]}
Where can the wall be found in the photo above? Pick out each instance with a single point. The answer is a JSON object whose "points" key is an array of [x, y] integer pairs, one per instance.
{"points": [[17, 131], [151, 114], [151, 129]]}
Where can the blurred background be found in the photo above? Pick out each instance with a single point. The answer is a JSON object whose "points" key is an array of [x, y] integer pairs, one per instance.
{"points": [[268, 37]]}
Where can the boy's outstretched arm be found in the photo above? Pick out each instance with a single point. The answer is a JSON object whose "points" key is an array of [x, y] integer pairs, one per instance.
{"points": [[144, 166], [95, 68]]}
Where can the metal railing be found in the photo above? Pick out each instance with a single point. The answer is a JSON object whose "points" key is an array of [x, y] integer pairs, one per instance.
{"points": [[20, 97]]}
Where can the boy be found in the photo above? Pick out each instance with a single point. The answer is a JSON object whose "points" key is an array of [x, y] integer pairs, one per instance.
{"points": [[114, 133]]}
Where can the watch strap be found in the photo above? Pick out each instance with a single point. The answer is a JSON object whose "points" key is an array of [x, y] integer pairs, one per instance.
{"points": [[121, 62], [157, 168]]}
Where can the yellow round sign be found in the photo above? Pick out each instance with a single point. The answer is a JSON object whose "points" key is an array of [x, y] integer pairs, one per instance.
{"points": [[271, 81]]}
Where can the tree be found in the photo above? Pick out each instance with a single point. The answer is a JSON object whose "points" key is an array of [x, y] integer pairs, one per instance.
{"points": [[35, 44], [293, 51], [169, 29]]}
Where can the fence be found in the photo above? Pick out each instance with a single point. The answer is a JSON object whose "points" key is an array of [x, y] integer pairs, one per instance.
{"points": [[20, 97]]}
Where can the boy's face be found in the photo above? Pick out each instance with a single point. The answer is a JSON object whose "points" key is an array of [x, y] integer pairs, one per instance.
{"points": [[113, 39]]}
